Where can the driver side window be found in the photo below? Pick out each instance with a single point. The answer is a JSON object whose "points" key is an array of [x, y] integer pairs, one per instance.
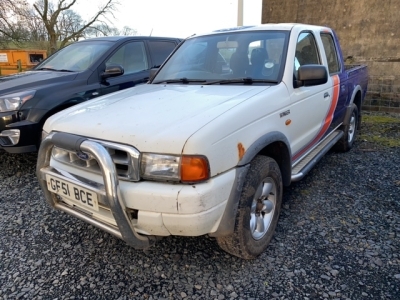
{"points": [[306, 51], [131, 56]]}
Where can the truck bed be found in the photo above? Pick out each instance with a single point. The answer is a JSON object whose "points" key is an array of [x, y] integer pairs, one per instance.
{"points": [[353, 67]]}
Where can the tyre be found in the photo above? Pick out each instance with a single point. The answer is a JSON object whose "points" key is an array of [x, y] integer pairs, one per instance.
{"points": [[350, 131], [258, 210]]}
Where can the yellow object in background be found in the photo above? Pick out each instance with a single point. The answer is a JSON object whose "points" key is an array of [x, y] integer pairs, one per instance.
{"points": [[14, 61]]}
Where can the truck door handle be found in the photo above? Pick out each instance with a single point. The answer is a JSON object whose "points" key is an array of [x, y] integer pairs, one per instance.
{"points": [[326, 95]]}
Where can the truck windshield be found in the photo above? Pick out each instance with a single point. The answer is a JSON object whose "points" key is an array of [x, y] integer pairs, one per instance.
{"points": [[75, 57], [249, 57]]}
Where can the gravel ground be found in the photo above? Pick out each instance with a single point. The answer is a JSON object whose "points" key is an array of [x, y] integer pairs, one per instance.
{"points": [[338, 237]]}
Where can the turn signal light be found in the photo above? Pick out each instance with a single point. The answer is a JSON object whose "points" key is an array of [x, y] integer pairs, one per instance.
{"points": [[194, 168]]}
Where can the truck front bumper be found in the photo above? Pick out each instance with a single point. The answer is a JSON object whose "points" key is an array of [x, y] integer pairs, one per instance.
{"points": [[138, 211], [17, 136]]}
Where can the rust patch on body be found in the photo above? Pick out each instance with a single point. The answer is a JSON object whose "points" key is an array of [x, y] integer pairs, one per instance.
{"points": [[241, 150]]}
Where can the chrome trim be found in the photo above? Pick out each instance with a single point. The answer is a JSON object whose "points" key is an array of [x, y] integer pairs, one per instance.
{"points": [[315, 146], [113, 196], [12, 135], [129, 157], [315, 157]]}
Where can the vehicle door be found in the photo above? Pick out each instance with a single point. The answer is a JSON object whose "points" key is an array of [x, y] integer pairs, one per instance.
{"points": [[159, 51], [336, 70], [312, 106], [133, 58]]}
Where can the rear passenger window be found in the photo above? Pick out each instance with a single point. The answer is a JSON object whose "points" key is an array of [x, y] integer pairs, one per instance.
{"points": [[330, 52], [159, 51]]}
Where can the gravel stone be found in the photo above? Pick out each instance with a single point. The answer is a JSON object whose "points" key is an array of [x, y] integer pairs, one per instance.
{"points": [[338, 237], [334, 272]]}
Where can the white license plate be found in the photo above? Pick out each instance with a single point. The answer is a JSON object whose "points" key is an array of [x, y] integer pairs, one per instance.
{"points": [[75, 193]]}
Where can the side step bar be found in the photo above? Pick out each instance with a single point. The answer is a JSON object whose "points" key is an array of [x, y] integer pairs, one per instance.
{"points": [[312, 158]]}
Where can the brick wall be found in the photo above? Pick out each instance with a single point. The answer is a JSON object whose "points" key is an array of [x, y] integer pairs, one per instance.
{"points": [[368, 33]]}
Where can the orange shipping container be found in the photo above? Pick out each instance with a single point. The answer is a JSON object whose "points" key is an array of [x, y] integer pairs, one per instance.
{"points": [[28, 59]]}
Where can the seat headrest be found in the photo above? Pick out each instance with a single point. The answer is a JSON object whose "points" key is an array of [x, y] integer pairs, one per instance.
{"points": [[258, 56]]}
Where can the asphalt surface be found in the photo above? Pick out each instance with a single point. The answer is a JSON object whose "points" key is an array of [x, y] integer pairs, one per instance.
{"points": [[338, 238]]}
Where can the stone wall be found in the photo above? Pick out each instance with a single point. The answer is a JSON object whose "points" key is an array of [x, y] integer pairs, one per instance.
{"points": [[368, 33]]}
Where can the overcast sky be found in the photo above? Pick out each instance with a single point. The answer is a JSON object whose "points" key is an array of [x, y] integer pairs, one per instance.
{"points": [[178, 18]]}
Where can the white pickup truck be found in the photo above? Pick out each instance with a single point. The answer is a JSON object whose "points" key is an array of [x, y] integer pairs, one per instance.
{"points": [[208, 144]]}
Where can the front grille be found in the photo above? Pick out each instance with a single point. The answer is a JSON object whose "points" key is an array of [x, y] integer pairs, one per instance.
{"points": [[125, 158], [5, 141]]}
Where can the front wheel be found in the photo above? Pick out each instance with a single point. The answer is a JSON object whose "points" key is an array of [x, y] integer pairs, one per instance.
{"points": [[350, 131], [258, 211]]}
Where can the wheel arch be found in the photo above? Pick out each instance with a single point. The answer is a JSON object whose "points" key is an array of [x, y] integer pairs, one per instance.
{"points": [[60, 107], [356, 98], [275, 145]]}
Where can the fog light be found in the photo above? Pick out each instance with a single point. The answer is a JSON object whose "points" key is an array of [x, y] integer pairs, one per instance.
{"points": [[12, 135]]}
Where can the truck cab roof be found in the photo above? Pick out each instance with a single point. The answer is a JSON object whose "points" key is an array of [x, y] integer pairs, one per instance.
{"points": [[269, 26]]}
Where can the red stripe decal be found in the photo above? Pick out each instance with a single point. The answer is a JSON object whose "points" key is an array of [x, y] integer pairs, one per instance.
{"points": [[328, 119]]}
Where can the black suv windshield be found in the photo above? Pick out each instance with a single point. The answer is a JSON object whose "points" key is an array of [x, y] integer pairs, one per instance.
{"points": [[75, 57], [250, 57]]}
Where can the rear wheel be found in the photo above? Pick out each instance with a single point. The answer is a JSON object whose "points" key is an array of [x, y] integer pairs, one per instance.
{"points": [[258, 210], [350, 131]]}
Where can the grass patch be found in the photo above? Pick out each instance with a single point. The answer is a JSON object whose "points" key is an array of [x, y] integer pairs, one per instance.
{"points": [[380, 119], [380, 130], [380, 140]]}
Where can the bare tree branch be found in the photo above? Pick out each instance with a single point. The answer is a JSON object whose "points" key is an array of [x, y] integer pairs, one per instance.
{"points": [[53, 18], [12, 28], [55, 21], [106, 9]]}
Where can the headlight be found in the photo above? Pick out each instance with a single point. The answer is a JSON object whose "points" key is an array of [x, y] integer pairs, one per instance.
{"points": [[158, 166], [14, 101], [185, 168]]}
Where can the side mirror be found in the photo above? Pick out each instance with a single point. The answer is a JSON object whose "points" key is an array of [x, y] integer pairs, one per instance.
{"points": [[112, 70], [309, 75], [153, 72]]}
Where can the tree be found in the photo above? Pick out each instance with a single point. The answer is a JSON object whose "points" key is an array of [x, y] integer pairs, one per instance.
{"points": [[106, 30], [55, 18], [100, 30], [69, 22], [128, 31], [53, 23], [12, 27]]}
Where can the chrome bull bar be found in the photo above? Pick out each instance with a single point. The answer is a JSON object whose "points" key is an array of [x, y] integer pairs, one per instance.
{"points": [[125, 230]]}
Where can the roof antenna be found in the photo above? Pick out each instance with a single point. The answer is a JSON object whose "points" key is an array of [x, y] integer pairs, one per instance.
{"points": [[151, 31]]}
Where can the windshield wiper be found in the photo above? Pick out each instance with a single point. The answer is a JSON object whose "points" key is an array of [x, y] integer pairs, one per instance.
{"points": [[65, 70], [245, 80], [180, 80], [46, 69], [51, 69]]}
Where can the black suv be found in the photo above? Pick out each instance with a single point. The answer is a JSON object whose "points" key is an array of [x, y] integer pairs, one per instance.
{"points": [[79, 72]]}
